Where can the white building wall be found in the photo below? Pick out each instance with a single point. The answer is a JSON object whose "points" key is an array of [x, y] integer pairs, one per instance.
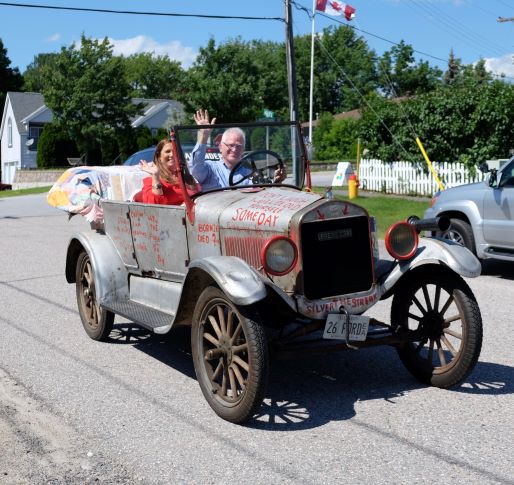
{"points": [[11, 159]]}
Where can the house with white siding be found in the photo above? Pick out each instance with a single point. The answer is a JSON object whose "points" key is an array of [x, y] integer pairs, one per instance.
{"points": [[25, 115]]}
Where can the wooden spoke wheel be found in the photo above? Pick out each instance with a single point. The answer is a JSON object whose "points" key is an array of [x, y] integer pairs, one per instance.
{"points": [[230, 355], [439, 309], [97, 321]]}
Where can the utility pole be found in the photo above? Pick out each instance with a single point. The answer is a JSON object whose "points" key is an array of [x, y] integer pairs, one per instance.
{"points": [[291, 85], [290, 61]]}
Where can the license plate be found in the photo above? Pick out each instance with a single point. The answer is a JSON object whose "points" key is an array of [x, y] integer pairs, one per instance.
{"points": [[335, 327]]}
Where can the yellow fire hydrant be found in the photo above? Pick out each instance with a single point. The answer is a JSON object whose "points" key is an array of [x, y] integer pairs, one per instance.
{"points": [[353, 186]]}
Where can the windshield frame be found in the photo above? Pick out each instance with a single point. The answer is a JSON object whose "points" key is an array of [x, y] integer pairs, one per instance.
{"points": [[191, 189], [300, 165]]}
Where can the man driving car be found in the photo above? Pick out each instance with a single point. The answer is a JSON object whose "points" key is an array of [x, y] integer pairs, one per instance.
{"points": [[212, 174]]}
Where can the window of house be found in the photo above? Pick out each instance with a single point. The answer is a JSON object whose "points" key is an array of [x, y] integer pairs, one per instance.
{"points": [[9, 133], [35, 131]]}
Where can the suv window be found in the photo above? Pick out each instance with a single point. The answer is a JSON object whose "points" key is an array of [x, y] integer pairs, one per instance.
{"points": [[507, 177]]}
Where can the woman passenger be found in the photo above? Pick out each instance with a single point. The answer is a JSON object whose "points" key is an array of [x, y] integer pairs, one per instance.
{"points": [[162, 186]]}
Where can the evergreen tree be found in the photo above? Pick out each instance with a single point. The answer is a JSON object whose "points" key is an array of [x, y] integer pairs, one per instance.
{"points": [[10, 77]]}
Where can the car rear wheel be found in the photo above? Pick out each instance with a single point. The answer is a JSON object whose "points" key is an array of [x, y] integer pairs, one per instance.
{"points": [[230, 355], [96, 320], [439, 310], [460, 232]]}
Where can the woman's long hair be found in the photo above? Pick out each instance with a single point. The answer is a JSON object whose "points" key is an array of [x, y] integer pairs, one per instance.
{"points": [[165, 173]]}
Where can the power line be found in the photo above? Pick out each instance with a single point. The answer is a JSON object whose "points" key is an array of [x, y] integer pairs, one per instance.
{"points": [[392, 42], [453, 26], [132, 12]]}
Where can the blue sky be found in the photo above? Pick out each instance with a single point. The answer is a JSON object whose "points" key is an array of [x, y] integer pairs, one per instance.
{"points": [[432, 27]]}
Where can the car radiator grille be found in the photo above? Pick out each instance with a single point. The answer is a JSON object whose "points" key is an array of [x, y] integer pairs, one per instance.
{"points": [[336, 257]]}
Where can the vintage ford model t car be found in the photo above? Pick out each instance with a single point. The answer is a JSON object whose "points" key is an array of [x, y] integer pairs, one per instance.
{"points": [[255, 268]]}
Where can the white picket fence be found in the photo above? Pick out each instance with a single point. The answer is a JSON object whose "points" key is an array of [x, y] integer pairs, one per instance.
{"points": [[412, 179]]}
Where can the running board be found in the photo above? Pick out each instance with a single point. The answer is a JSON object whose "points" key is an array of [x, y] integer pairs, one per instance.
{"points": [[155, 320], [500, 253]]}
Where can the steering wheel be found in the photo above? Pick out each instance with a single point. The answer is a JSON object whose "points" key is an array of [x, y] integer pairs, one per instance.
{"points": [[258, 175]]}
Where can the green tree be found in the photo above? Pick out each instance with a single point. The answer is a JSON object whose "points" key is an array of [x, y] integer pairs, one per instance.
{"points": [[400, 75], [225, 80], [337, 139], [454, 67], [38, 74], [89, 96], [10, 77], [344, 71], [54, 147], [152, 76], [468, 121]]}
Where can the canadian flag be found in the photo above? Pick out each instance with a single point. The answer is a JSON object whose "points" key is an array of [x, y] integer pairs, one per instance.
{"points": [[335, 7]]}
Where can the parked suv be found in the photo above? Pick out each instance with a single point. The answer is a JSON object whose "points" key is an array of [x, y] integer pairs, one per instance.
{"points": [[481, 214]]}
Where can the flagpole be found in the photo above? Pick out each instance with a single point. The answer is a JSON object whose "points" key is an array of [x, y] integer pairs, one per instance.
{"points": [[311, 88]]}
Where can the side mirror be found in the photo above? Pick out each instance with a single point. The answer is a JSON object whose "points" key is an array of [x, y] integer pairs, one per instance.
{"points": [[492, 178], [483, 167]]}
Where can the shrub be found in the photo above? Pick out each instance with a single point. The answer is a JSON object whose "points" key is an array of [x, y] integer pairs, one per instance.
{"points": [[54, 147]]}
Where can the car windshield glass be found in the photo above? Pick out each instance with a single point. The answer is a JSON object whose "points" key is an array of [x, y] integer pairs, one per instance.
{"points": [[242, 155]]}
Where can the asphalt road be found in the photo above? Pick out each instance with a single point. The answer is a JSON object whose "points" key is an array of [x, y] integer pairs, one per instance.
{"points": [[130, 411]]}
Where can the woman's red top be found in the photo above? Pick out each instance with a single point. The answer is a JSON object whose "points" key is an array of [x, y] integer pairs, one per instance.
{"points": [[171, 193]]}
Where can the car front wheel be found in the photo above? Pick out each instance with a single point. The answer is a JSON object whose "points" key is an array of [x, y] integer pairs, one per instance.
{"points": [[461, 233], [230, 355], [438, 311]]}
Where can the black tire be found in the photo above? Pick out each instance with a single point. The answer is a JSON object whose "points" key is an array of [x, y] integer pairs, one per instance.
{"points": [[442, 311], [96, 320], [230, 355], [461, 233]]}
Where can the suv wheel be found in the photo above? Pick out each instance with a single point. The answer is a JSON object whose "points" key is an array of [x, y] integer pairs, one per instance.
{"points": [[461, 233]]}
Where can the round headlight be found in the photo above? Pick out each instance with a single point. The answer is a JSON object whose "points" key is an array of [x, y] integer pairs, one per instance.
{"points": [[401, 240], [279, 255]]}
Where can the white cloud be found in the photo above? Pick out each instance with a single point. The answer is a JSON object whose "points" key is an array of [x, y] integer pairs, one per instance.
{"points": [[501, 65], [53, 38], [173, 49]]}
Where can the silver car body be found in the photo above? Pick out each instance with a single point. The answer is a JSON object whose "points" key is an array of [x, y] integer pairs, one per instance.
{"points": [[148, 254], [271, 267], [488, 207]]}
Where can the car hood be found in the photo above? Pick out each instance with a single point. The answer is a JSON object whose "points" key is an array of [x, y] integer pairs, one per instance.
{"points": [[255, 208], [467, 191]]}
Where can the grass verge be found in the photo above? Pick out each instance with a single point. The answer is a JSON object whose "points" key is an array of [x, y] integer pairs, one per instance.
{"points": [[387, 209], [33, 190]]}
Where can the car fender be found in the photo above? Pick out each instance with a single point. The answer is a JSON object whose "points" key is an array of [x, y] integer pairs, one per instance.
{"points": [[469, 208], [435, 251], [111, 278], [242, 284], [466, 210]]}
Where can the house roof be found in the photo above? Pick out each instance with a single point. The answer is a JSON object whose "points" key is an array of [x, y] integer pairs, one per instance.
{"points": [[153, 106], [354, 114], [27, 105], [24, 105]]}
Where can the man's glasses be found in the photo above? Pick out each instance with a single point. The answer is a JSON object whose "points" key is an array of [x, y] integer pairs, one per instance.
{"points": [[233, 146]]}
